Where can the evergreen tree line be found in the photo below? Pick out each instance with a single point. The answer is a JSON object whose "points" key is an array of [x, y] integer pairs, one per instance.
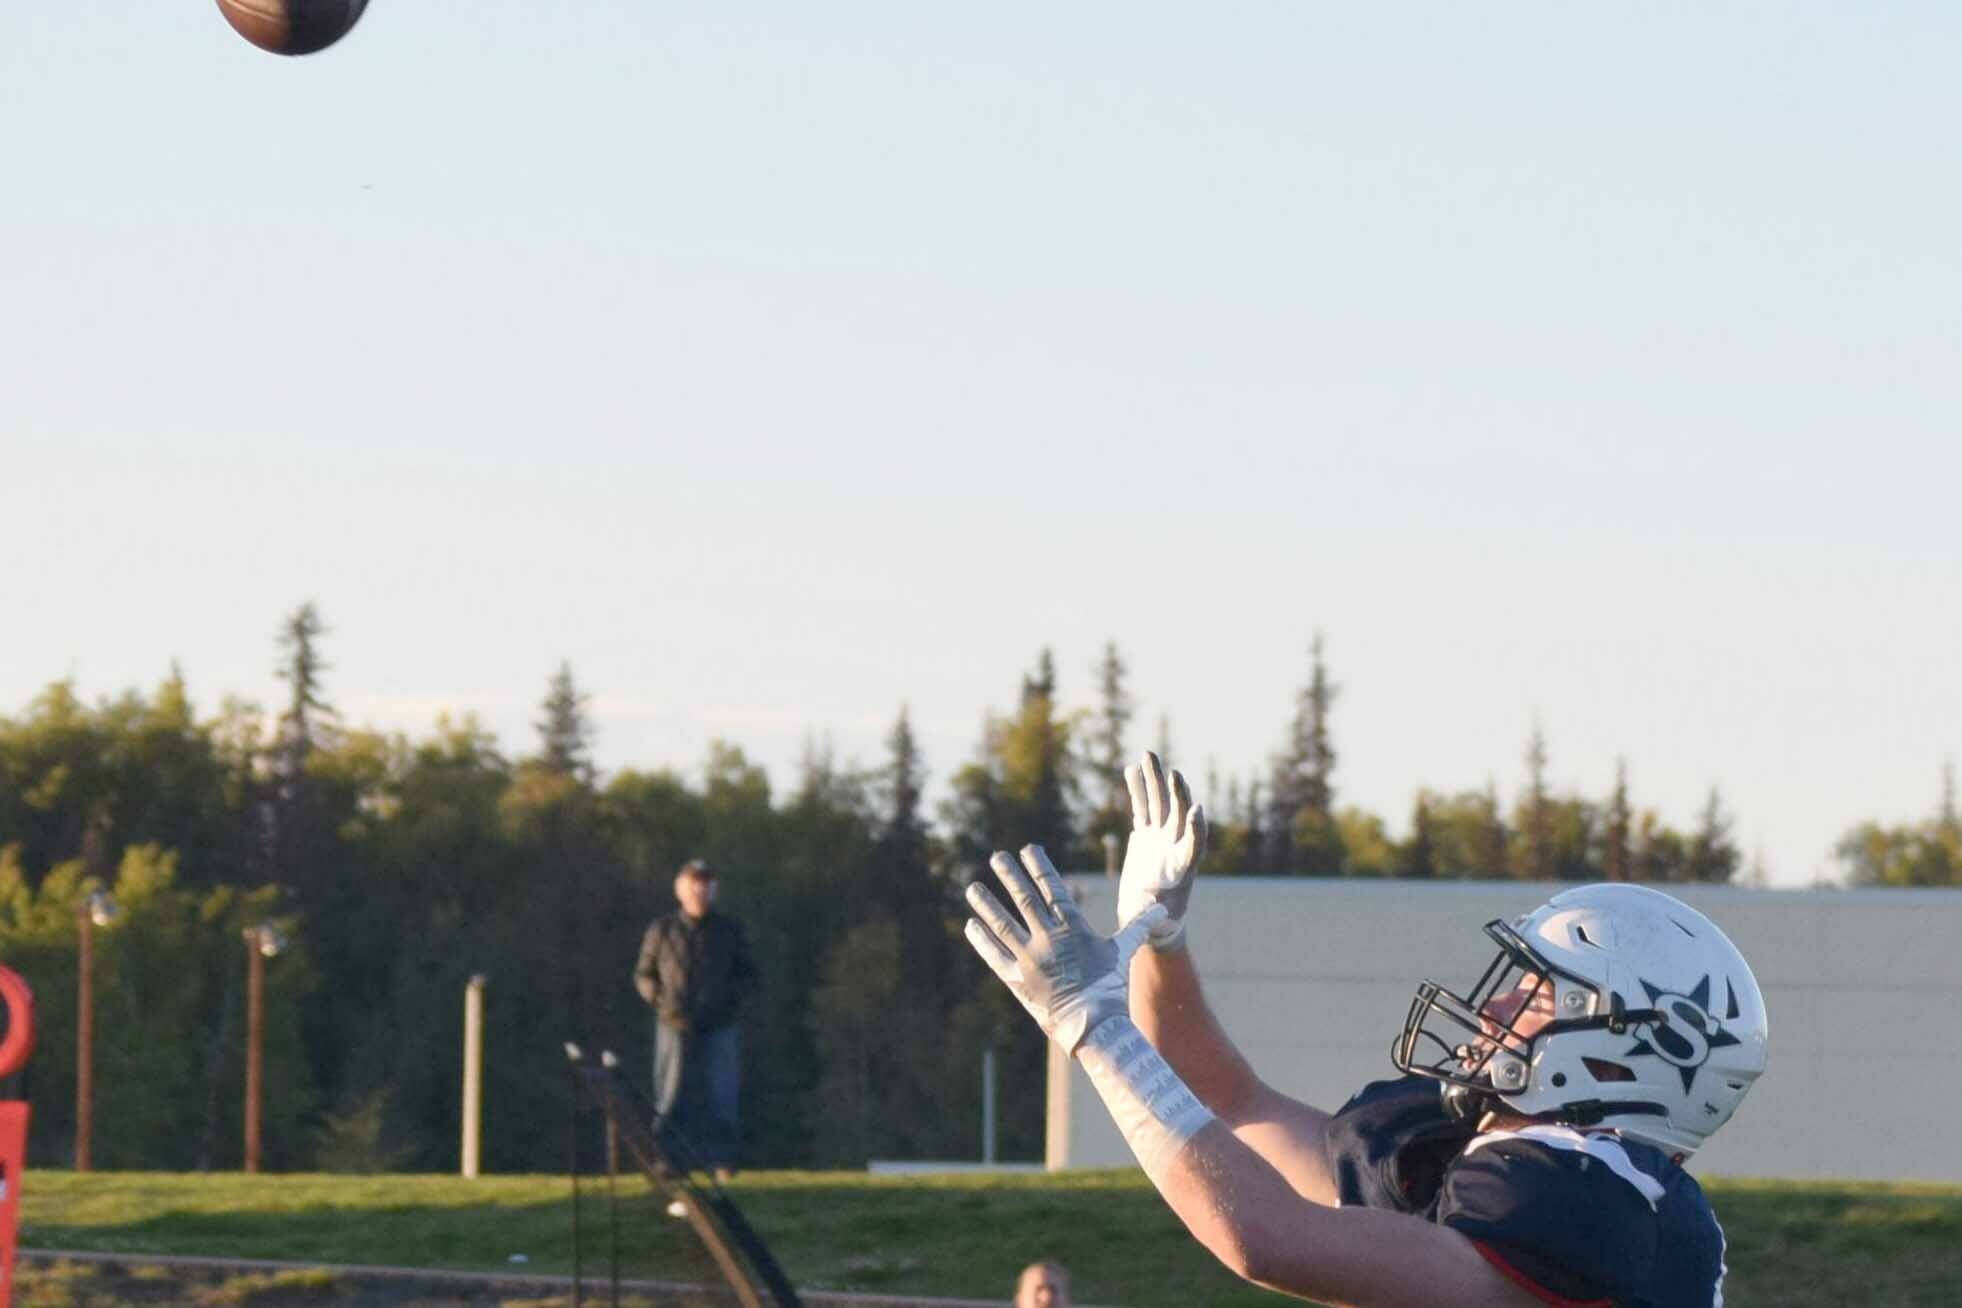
{"points": [[398, 868], [1286, 821]]}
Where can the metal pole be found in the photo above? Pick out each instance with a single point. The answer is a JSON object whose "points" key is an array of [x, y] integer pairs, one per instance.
{"points": [[612, 1115], [988, 1104], [255, 1022], [612, 1203], [572, 1166], [85, 1039], [1111, 846], [473, 1075]]}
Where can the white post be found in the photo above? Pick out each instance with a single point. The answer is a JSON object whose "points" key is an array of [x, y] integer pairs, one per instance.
{"points": [[473, 1075], [988, 1104], [1056, 1109]]}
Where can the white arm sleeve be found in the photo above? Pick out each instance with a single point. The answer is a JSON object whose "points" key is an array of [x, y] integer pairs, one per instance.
{"points": [[1146, 1098]]}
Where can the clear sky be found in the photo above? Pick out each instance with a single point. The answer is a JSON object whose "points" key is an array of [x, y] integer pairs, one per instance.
{"points": [[779, 363]]}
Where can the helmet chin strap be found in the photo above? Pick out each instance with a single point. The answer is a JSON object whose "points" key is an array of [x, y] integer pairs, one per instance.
{"points": [[1591, 1112], [1469, 1105]]}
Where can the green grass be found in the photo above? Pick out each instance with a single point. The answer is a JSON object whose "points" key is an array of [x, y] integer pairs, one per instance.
{"points": [[1791, 1245]]}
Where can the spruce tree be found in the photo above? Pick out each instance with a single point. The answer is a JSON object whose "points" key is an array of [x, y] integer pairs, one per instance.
{"points": [[1302, 829], [554, 813], [1713, 854], [1535, 817], [1037, 764], [1226, 844], [1022, 784], [1257, 838], [1109, 752], [1661, 854], [311, 802], [904, 781], [1017, 791], [307, 710], [1418, 857], [1615, 850], [565, 733], [1040, 681], [1494, 858], [1944, 842], [300, 832], [904, 866]]}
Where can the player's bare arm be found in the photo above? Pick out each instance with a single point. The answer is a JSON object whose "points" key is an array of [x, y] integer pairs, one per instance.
{"points": [[1252, 1219], [1073, 981], [1161, 861]]}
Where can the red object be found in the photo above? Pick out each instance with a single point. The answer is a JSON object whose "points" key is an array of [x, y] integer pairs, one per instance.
{"points": [[13, 1158], [14, 1049], [19, 1040]]}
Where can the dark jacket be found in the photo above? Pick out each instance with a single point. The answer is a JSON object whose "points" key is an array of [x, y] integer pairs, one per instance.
{"points": [[695, 972]]}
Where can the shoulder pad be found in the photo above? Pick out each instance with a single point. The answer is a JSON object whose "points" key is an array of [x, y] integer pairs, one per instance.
{"points": [[1389, 1145], [1569, 1214]]}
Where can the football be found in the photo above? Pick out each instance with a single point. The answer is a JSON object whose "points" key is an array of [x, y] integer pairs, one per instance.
{"points": [[292, 27]]}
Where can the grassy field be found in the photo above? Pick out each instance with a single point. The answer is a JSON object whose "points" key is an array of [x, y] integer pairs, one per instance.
{"points": [[1791, 1246]]}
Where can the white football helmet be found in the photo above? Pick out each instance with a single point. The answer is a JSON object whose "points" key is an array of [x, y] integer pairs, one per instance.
{"points": [[1610, 1006]]}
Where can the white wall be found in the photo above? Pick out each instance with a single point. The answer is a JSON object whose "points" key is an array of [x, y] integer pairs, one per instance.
{"points": [[1863, 988]]}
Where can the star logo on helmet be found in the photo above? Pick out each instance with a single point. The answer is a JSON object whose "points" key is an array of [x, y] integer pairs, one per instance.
{"points": [[1686, 1039]]}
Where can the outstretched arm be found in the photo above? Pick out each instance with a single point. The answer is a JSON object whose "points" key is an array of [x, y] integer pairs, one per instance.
{"points": [[1168, 838], [1250, 1218], [1170, 1009], [1072, 981]]}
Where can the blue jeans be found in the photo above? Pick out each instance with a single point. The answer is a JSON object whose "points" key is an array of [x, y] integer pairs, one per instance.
{"points": [[697, 1081]]}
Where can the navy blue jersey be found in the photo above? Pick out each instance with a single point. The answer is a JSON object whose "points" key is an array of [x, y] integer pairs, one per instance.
{"points": [[1577, 1218]]}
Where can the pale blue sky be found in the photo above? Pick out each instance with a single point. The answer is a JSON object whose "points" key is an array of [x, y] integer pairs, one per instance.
{"points": [[776, 364]]}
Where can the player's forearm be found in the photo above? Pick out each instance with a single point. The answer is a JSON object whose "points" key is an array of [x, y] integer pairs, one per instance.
{"points": [[1152, 1106], [1259, 1227], [1230, 1197], [1240, 1208], [1169, 1007]]}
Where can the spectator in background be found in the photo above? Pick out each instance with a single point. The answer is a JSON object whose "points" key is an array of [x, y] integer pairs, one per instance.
{"points": [[695, 972], [1043, 1285]]}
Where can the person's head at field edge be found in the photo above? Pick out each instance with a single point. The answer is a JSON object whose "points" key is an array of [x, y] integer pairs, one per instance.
{"points": [[1043, 1285], [694, 887]]}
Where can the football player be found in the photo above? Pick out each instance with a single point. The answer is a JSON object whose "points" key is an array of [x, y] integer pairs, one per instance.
{"points": [[1530, 1154]]}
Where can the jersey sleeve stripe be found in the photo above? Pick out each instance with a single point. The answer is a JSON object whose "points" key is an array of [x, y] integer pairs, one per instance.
{"points": [[1532, 1287], [1604, 1147]]}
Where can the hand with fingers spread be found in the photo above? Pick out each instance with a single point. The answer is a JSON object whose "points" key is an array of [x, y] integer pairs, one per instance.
{"points": [[1168, 837], [1069, 977]]}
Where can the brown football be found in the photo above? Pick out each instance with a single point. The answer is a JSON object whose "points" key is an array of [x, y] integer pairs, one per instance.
{"points": [[292, 27]]}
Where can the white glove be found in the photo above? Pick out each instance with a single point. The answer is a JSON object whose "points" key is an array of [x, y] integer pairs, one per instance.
{"points": [[1168, 838], [1066, 975]]}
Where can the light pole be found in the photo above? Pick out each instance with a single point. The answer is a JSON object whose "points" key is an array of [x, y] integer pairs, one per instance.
{"points": [[1112, 847], [261, 943], [97, 909]]}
